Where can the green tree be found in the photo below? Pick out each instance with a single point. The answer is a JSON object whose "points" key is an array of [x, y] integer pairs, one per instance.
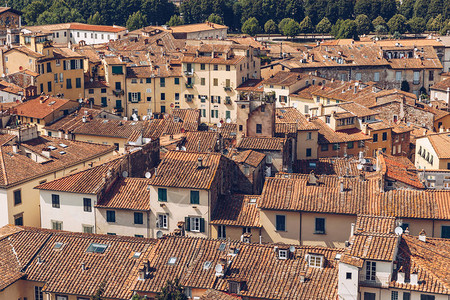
{"points": [[96, 19], [324, 26], [291, 29], [381, 29], [172, 291], [430, 24], [335, 28], [175, 20], [379, 21], [306, 25], [388, 8], [435, 7], [32, 12], [417, 25], [421, 8], [283, 23], [406, 8], [397, 23], [215, 18], [251, 27], [158, 11], [446, 28], [59, 12], [270, 27], [99, 291], [363, 24], [438, 23], [136, 20], [348, 30]]}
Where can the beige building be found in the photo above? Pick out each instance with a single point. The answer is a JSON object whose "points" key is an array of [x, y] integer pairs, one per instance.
{"points": [[432, 151], [200, 31]]}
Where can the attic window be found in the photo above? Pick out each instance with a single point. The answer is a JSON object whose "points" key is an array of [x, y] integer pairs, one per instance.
{"points": [[137, 254], [58, 246], [234, 287], [222, 246], [252, 200], [282, 254], [172, 261], [206, 265], [315, 260], [62, 152], [97, 248], [51, 147], [63, 145]]}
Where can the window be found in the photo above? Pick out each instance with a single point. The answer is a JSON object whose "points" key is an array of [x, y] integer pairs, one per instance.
{"points": [[97, 248], [394, 295], [348, 275], [371, 268], [77, 83], [116, 146], [375, 137], [350, 145], [162, 221], [88, 229], [110, 216], [369, 296], [162, 82], [195, 197], [336, 146], [376, 76], [195, 224], [55, 201], [38, 295], [202, 81], [258, 128], [320, 226], [117, 70], [445, 232], [308, 152], [49, 86], [216, 67], [176, 80], [163, 109], [234, 287], [227, 82], [202, 67], [227, 114], [358, 76], [426, 297], [56, 77], [68, 83], [228, 67], [216, 81], [406, 296], [57, 225], [416, 77], [282, 254], [163, 96], [281, 223], [104, 101], [324, 147], [398, 76], [49, 67], [17, 197], [221, 232], [384, 136], [138, 218], [18, 219], [162, 194], [431, 76], [315, 260]]}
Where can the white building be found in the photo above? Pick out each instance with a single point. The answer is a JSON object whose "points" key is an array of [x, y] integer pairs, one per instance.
{"points": [[79, 32]]}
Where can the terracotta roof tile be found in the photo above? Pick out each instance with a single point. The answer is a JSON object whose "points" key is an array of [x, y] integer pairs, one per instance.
{"points": [[237, 210], [127, 193], [262, 143], [216, 295], [375, 224], [284, 78], [201, 141], [340, 166], [41, 107], [373, 246], [250, 157], [329, 136], [442, 85], [395, 169], [441, 144], [290, 120]]}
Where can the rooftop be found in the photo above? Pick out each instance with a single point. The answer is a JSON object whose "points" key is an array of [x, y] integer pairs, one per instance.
{"points": [[237, 210], [42, 106], [262, 143]]}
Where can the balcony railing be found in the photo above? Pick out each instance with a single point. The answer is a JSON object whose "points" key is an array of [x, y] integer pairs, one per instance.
{"points": [[227, 88], [189, 85], [189, 72], [118, 93]]}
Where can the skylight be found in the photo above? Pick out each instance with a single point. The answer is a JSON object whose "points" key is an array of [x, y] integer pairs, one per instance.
{"points": [[137, 254], [252, 200], [58, 245], [63, 145], [172, 261], [206, 265], [62, 152], [51, 147], [97, 248], [222, 247]]}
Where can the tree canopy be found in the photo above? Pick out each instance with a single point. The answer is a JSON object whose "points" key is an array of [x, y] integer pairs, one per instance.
{"points": [[251, 27]]}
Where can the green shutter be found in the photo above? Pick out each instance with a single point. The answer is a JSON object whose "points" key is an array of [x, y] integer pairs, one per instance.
{"points": [[162, 195], [195, 197], [139, 96], [202, 225], [187, 224], [129, 96]]}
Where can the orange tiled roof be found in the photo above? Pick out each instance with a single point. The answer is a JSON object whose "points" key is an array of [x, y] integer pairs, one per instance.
{"points": [[237, 210], [377, 224], [441, 144], [250, 157], [41, 107], [180, 169], [129, 194], [373, 246], [216, 295], [283, 78], [109, 127], [329, 136], [290, 120], [442, 85], [399, 171], [201, 141], [262, 143], [340, 166]]}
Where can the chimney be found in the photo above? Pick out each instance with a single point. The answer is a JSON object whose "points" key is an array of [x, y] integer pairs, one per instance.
{"points": [[200, 163], [141, 273], [15, 148], [302, 276], [46, 152], [413, 278], [423, 236], [341, 185], [83, 266], [352, 229], [400, 276], [355, 89]]}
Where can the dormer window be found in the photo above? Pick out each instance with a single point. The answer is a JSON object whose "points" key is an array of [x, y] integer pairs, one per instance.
{"points": [[282, 254], [315, 260], [234, 287]]}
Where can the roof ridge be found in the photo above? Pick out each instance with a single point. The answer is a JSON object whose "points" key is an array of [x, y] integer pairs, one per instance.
{"points": [[2, 162]]}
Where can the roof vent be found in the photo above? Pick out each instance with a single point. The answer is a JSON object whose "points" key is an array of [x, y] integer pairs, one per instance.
{"points": [[423, 236], [414, 278], [83, 266], [200, 163]]}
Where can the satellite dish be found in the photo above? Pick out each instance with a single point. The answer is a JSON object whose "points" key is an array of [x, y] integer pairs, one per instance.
{"points": [[228, 120], [219, 268], [124, 174], [219, 125], [292, 249], [398, 230], [159, 234], [294, 105], [148, 175], [359, 167]]}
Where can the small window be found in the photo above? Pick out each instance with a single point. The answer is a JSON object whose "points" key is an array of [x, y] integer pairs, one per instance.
{"points": [[384, 136], [281, 223], [38, 294], [406, 296], [162, 82], [315, 260], [309, 135], [282, 254], [371, 268], [17, 197], [375, 137], [162, 221], [207, 265], [87, 204], [324, 147], [308, 152], [88, 229], [55, 201], [162, 194], [138, 218], [221, 232], [177, 80], [97, 248], [195, 197], [234, 287], [57, 225], [394, 295], [258, 128], [172, 261], [110, 216], [216, 67], [348, 275]]}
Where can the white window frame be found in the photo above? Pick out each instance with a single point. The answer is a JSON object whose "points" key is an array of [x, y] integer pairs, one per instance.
{"points": [[134, 97], [315, 261], [163, 221], [57, 225], [85, 227], [195, 224], [282, 254], [221, 232], [371, 270]]}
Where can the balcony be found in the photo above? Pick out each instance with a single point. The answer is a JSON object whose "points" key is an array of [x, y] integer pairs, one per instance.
{"points": [[189, 85], [227, 88], [189, 72], [118, 93]]}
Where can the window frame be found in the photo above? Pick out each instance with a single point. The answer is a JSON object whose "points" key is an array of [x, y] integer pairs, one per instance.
{"points": [[193, 195], [138, 218], [317, 225], [56, 201], [280, 220], [111, 216]]}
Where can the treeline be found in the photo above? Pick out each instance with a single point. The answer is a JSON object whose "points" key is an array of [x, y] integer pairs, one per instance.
{"points": [[342, 18]]}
